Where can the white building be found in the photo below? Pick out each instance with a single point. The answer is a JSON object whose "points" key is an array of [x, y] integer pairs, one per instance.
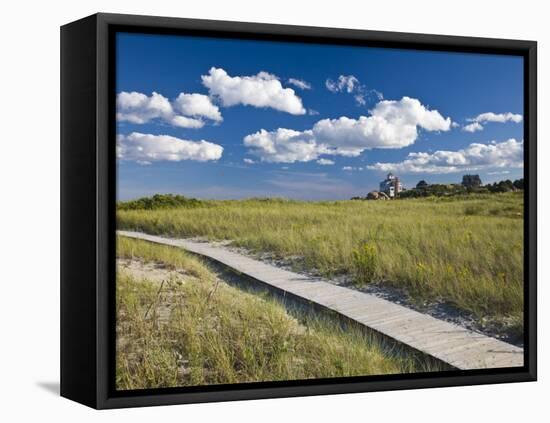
{"points": [[391, 185]]}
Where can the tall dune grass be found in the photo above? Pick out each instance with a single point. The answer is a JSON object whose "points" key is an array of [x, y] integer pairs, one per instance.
{"points": [[465, 250], [216, 333]]}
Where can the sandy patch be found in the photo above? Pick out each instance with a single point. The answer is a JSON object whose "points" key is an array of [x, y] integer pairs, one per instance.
{"points": [[154, 272]]}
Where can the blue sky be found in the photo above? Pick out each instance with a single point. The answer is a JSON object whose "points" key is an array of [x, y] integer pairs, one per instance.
{"points": [[236, 119]]}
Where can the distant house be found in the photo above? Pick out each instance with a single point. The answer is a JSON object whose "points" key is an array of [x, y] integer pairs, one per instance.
{"points": [[391, 186], [471, 181]]}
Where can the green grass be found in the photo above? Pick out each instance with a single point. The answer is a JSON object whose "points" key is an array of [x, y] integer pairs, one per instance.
{"points": [[466, 250], [216, 333]]}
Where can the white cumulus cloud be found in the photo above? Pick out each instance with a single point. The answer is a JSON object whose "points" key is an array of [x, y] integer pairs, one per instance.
{"points": [[300, 83], [391, 124], [147, 148], [476, 122], [506, 154], [498, 117], [139, 108], [473, 127], [185, 122], [186, 111], [197, 105], [282, 146], [261, 90]]}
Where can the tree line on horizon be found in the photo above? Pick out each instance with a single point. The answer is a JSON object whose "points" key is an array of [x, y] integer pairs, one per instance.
{"points": [[469, 184]]}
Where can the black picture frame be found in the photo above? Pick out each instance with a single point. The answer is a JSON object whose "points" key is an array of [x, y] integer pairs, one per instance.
{"points": [[88, 209]]}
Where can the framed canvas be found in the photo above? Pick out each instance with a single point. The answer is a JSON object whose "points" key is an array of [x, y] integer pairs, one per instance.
{"points": [[257, 211]]}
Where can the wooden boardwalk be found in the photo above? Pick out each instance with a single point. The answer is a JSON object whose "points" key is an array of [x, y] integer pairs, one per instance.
{"points": [[452, 344]]}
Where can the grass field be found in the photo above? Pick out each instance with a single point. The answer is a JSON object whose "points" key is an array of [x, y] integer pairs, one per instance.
{"points": [[467, 251], [194, 329]]}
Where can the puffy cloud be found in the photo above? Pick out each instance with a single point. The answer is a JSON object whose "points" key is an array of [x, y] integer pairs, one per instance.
{"points": [[147, 148], [391, 124], [261, 90], [350, 84], [344, 83], [410, 112], [325, 162], [473, 127], [185, 122], [283, 146], [508, 154], [476, 122], [300, 83], [352, 168], [248, 161], [139, 108], [497, 117], [186, 111], [197, 105]]}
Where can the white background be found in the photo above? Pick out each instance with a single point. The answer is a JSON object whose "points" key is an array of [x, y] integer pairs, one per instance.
{"points": [[29, 206]]}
